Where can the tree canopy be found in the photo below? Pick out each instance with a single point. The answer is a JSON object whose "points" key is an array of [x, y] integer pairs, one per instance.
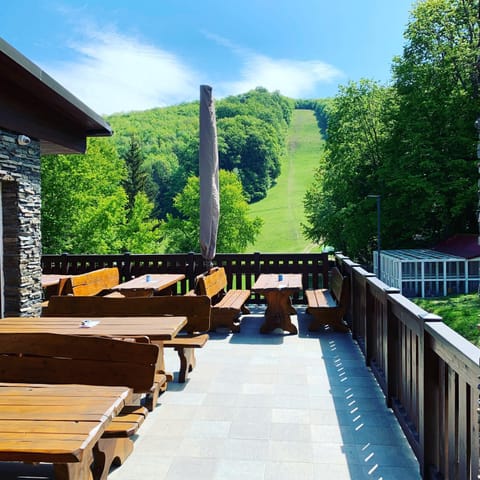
{"points": [[85, 207], [251, 135], [412, 142], [236, 230]]}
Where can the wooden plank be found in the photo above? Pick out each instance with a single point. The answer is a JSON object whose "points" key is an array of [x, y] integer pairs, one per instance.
{"points": [[195, 308], [92, 283], [155, 328], [69, 390], [61, 434], [155, 281], [22, 427], [52, 358]]}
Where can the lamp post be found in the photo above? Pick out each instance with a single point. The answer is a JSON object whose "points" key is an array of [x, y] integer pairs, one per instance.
{"points": [[378, 234]]}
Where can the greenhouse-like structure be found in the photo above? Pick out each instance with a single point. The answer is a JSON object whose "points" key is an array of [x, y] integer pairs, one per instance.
{"points": [[428, 273]]}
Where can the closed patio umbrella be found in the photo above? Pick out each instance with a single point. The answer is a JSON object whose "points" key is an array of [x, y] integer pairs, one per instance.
{"points": [[208, 172]]}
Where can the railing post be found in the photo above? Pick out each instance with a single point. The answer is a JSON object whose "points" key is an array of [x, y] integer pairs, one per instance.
{"points": [[376, 324], [64, 263], [126, 271], [431, 421], [256, 261], [325, 270], [190, 269]]}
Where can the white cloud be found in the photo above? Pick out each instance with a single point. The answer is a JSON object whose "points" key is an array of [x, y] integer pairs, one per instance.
{"points": [[293, 78], [114, 73]]}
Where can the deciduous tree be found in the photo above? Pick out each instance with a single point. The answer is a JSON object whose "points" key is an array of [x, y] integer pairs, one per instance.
{"points": [[236, 229]]}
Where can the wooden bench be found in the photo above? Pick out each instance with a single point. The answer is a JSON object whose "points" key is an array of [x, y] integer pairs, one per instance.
{"points": [[96, 282], [34, 358], [197, 309], [328, 306], [227, 306], [91, 283]]}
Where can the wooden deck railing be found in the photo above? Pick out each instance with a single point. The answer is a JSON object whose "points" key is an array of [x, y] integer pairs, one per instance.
{"points": [[428, 373], [242, 269]]}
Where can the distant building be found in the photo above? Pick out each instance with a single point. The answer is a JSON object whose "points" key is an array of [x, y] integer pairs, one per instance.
{"points": [[451, 267], [37, 116]]}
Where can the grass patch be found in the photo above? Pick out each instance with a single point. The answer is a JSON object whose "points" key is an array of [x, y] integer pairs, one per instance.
{"points": [[459, 312], [282, 210]]}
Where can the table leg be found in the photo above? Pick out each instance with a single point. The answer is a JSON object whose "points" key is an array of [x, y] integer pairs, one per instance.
{"points": [[75, 470], [279, 309]]}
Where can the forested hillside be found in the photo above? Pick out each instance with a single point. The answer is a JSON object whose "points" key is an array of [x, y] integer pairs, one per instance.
{"points": [[126, 192], [413, 142]]}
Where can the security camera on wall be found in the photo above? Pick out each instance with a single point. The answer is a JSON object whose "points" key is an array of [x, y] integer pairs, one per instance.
{"points": [[23, 140]]}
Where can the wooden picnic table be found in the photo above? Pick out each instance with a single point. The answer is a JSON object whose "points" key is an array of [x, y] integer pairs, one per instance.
{"points": [[58, 424], [277, 290], [155, 328], [159, 282]]}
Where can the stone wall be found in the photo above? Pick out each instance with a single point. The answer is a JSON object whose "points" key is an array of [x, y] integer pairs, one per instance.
{"points": [[21, 202]]}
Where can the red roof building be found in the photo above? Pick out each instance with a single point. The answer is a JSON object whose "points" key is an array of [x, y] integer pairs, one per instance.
{"points": [[462, 245]]}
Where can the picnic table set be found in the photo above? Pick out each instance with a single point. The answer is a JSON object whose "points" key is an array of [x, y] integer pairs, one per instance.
{"points": [[65, 424]]}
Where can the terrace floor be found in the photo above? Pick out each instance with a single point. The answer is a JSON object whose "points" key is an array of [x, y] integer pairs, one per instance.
{"points": [[263, 407]]}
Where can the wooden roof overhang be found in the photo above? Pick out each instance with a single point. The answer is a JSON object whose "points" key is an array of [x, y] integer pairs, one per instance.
{"points": [[32, 103]]}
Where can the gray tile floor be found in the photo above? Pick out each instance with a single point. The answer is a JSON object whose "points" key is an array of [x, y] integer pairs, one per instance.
{"points": [[272, 407]]}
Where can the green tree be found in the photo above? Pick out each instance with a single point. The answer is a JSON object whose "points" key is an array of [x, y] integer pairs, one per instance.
{"points": [[251, 148], [140, 234], [413, 143], [137, 178], [235, 231], [430, 172], [83, 200], [336, 206], [84, 206]]}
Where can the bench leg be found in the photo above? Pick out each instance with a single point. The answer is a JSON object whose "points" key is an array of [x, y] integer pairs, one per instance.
{"points": [[75, 471], [151, 398], [187, 362], [325, 317], [223, 317], [108, 452]]}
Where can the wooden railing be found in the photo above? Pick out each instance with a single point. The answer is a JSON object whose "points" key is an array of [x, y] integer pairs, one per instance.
{"points": [[428, 373], [242, 269]]}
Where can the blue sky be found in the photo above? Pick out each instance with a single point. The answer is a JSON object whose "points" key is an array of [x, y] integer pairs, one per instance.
{"points": [[123, 55]]}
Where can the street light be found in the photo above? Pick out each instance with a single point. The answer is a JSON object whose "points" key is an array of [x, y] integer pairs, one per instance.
{"points": [[378, 234]]}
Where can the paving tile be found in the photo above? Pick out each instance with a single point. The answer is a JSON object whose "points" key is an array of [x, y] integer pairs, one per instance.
{"points": [[247, 449], [198, 447], [246, 430], [289, 471], [190, 467], [209, 429], [290, 451], [239, 470]]}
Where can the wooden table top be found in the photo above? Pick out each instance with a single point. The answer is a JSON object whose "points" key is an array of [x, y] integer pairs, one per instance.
{"points": [[51, 279], [157, 281], [270, 281], [155, 328], [55, 423]]}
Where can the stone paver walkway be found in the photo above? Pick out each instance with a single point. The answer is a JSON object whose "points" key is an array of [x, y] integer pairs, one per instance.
{"points": [[272, 407]]}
